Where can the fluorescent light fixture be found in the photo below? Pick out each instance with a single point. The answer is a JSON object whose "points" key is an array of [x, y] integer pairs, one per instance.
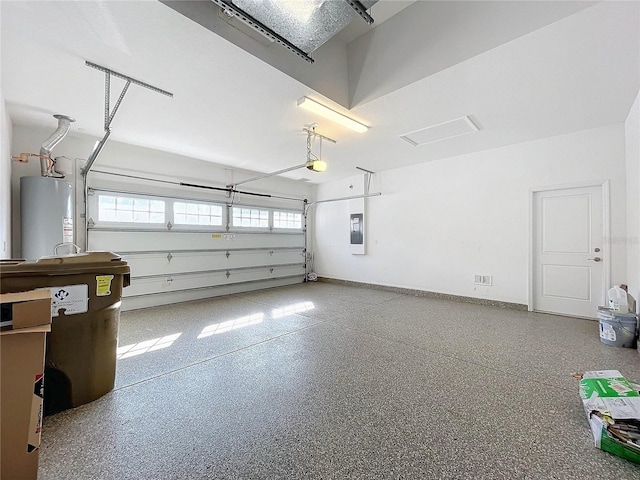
{"points": [[317, 166], [332, 115]]}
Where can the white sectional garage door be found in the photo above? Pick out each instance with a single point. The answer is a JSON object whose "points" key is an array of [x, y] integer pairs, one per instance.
{"points": [[184, 249]]}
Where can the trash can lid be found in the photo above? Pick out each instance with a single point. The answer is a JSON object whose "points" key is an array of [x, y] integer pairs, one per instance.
{"points": [[77, 258], [68, 264]]}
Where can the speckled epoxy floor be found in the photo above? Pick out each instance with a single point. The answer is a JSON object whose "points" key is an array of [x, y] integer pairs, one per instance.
{"points": [[325, 381]]}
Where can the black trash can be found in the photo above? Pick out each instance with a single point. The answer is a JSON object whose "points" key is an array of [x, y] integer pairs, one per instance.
{"points": [[86, 293]]}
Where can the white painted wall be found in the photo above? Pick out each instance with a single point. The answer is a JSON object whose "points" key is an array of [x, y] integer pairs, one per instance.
{"points": [[439, 223], [632, 137], [436, 224], [429, 37], [142, 162], [5, 182]]}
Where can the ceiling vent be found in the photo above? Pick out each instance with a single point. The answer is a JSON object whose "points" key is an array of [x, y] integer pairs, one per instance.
{"points": [[441, 131], [229, 17], [300, 26]]}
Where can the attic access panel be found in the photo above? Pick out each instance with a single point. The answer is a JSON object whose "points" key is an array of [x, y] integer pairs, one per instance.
{"points": [[441, 131], [304, 24]]}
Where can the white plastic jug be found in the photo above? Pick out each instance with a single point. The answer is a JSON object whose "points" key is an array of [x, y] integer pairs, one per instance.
{"points": [[618, 300]]}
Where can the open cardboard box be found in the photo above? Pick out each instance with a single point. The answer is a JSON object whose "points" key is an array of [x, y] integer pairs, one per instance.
{"points": [[25, 309], [22, 348], [612, 405]]}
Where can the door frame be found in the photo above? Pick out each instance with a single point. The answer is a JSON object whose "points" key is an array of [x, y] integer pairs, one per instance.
{"points": [[606, 231]]}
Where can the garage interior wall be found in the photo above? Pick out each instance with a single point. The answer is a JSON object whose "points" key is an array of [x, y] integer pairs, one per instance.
{"points": [[5, 180], [177, 263], [439, 223]]}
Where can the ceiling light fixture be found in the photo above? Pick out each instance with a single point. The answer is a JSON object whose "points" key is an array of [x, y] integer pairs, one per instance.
{"points": [[315, 107]]}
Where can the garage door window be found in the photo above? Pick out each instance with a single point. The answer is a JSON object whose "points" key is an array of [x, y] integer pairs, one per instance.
{"points": [[197, 214], [250, 218], [288, 220], [120, 209]]}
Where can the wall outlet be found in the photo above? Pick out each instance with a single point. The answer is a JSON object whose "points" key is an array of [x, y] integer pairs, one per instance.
{"points": [[482, 280]]}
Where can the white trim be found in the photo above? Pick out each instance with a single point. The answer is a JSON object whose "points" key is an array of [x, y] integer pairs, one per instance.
{"points": [[531, 246], [606, 226], [567, 186], [606, 230]]}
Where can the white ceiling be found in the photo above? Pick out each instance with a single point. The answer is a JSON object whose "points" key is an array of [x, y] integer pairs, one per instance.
{"points": [[521, 73]]}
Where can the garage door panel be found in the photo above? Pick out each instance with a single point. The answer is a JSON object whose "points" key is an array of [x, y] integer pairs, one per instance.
{"points": [[166, 298], [194, 250], [145, 241], [172, 263], [241, 259], [173, 283]]}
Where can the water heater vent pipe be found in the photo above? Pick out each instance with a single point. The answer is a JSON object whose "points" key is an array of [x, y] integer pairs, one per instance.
{"points": [[64, 123]]}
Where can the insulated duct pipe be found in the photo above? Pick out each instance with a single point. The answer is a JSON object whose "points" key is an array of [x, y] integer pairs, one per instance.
{"points": [[64, 123]]}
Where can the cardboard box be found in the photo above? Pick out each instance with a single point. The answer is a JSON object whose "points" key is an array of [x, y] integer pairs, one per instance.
{"points": [[612, 405], [25, 309], [21, 384]]}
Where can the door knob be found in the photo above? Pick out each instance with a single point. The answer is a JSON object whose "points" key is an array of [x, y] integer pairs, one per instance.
{"points": [[595, 259]]}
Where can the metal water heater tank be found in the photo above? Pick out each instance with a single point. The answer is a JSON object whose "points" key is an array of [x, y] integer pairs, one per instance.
{"points": [[46, 216]]}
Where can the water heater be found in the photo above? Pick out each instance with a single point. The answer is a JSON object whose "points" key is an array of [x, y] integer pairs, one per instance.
{"points": [[46, 217]]}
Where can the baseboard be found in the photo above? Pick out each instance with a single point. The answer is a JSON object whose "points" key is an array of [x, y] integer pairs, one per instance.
{"points": [[425, 293]]}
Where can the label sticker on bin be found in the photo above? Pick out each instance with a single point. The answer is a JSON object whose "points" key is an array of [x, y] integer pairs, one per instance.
{"points": [[73, 299], [103, 285], [35, 421], [67, 230]]}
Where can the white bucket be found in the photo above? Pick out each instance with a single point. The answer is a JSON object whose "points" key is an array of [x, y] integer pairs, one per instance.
{"points": [[618, 329]]}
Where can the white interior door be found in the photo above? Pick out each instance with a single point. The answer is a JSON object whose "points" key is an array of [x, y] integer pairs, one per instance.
{"points": [[568, 259]]}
